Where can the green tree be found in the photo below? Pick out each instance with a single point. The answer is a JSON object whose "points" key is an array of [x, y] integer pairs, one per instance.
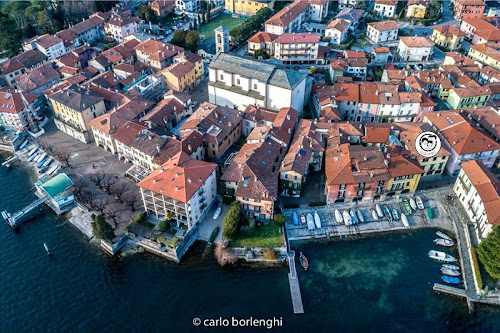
{"points": [[146, 13], [179, 38], [245, 29], [101, 228], [279, 219], [231, 224], [192, 41], [162, 226], [261, 53], [489, 253]]}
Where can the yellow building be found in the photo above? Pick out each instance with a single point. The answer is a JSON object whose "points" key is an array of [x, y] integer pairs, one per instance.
{"points": [[468, 98], [74, 108], [448, 36], [485, 54], [416, 9], [405, 175], [185, 73], [247, 7]]}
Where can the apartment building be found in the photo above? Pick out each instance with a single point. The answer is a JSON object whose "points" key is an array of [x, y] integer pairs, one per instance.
{"points": [[14, 113], [468, 9], [289, 19], [415, 48], [478, 190], [38, 80], [468, 97], [404, 172], [74, 108], [416, 9], [448, 36], [383, 31], [247, 7], [51, 46], [485, 54], [262, 41], [161, 7], [463, 139], [87, 31], [481, 31], [297, 48], [120, 26], [337, 30], [185, 73], [156, 54], [384, 8], [236, 81], [183, 188], [21, 64]]}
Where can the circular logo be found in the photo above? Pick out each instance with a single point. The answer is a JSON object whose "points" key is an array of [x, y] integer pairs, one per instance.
{"points": [[428, 144]]}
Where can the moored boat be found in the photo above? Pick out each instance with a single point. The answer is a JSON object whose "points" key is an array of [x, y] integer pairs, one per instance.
{"points": [[40, 157], [404, 219], [454, 267], [374, 215], [302, 219], [450, 272], [303, 261], [443, 235], [395, 214], [387, 213], [420, 203], [317, 220], [360, 216], [347, 218], [451, 280], [47, 161], [407, 206], [338, 217], [379, 210], [413, 204], [295, 218], [32, 151], [40, 164], [32, 157], [430, 213], [310, 222], [444, 242], [53, 169], [441, 256], [354, 218]]}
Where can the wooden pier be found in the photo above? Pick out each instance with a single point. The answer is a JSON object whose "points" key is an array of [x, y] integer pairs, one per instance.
{"points": [[298, 308]]}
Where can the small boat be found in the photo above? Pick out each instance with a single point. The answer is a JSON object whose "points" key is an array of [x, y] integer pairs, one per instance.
{"points": [[374, 215], [379, 211], [430, 213], [450, 272], [39, 165], [354, 218], [52, 171], [32, 157], [347, 218], [387, 213], [4, 215], [444, 242], [395, 214], [338, 217], [23, 144], [420, 203], [32, 151], [295, 218], [443, 235], [441, 256], [302, 219], [453, 267], [404, 219], [47, 162], [43, 169], [449, 279], [46, 248], [303, 261], [407, 206], [40, 157], [413, 204], [317, 220], [310, 222], [360, 216]]}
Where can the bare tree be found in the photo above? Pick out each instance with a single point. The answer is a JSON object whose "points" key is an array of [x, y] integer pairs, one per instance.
{"points": [[97, 178], [130, 199], [92, 199], [107, 184], [119, 191], [79, 188], [64, 157], [113, 216], [101, 204], [46, 145]]}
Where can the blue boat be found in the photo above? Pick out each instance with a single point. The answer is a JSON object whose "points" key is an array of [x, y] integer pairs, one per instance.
{"points": [[450, 279], [295, 218], [387, 213], [39, 165]]}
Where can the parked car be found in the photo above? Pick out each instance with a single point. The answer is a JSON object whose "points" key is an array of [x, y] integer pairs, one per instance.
{"points": [[217, 213]]}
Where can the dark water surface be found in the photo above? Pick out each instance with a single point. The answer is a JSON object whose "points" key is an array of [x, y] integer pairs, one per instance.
{"points": [[379, 283]]}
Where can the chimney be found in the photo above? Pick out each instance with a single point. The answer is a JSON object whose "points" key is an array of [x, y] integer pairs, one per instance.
{"points": [[189, 180], [154, 180], [177, 188]]}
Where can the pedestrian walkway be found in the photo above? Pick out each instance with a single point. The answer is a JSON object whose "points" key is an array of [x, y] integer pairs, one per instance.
{"points": [[293, 279]]}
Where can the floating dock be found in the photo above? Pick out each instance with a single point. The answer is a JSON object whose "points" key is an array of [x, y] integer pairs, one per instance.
{"points": [[14, 220]]}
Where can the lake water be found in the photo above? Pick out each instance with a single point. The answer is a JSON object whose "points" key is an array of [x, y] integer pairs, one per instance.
{"points": [[373, 284]]}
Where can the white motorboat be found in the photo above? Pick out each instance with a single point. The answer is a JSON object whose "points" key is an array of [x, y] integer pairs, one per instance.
{"points": [[32, 157], [40, 158], [338, 217], [317, 220], [32, 151], [347, 218], [404, 219], [360, 216], [379, 211], [413, 204], [453, 267], [444, 242], [420, 203], [47, 162], [23, 144], [310, 221], [443, 235], [374, 215], [53, 169], [450, 272], [441, 256]]}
